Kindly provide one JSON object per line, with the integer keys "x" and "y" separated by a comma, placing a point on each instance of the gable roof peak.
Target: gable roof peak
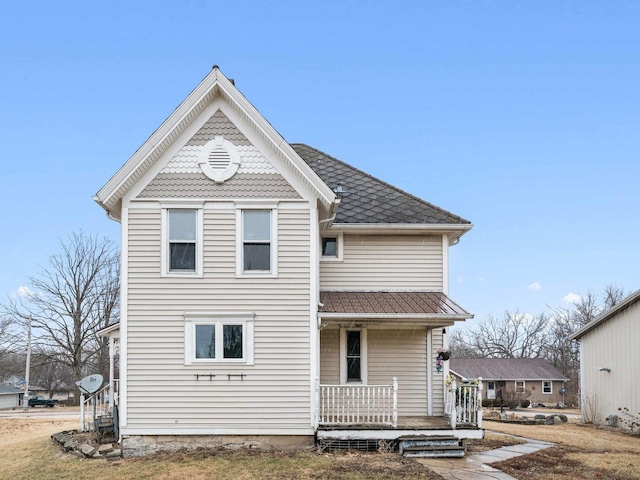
{"x": 214, "y": 85}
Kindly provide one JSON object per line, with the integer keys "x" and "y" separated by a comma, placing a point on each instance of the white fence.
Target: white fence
{"x": 463, "y": 403}
{"x": 359, "y": 404}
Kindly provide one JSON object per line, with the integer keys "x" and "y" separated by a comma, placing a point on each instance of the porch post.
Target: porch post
{"x": 395, "y": 402}
{"x": 480, "y": 387}
{"x": 454, "y": 412}
{"x": 111, "y": 372}
{"x": 82, "y": 412}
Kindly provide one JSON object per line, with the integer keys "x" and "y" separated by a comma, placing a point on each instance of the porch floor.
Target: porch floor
{"x": 404, "y": 423}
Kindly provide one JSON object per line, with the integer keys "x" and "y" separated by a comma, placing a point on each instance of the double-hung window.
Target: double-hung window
{"x": 182, "y": 241}
{"x": 547, "y": 387}
{"x": 257, "y": 241}
{"x": 217, "y": 338}
{"x": 520, "y": 386}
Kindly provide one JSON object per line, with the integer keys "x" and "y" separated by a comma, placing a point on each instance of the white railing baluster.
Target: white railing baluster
{"x": 358, "y": 404}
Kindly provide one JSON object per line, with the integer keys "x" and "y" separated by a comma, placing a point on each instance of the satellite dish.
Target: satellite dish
{"x": 563, "y": 391}
{"x": 90, "y": 384}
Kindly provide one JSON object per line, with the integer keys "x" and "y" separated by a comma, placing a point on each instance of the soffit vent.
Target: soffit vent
{"x": 219, "y": 159}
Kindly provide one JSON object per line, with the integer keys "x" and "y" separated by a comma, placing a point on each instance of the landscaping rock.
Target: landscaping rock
{"x": 87, "y": 450}
{"x": 70, "y": 445}
{"x": 104, "y": 449}
{"x": 114, "y": 454}
{"x": 540, "y": 417}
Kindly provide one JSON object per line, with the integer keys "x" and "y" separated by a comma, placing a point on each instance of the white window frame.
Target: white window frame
{"x": 273, "y": 272}
{"x": 524, "y": 386}
{"x": 218, "y": 320}
{"x": 363, "y": 356}
{"x": 339, "y": 246}
{"x": 550, "y": 383}
{"x": 164, "y": 247}
{"x": 491, "y": 392}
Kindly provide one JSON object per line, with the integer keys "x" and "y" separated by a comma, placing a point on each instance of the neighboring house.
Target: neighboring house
{"x": 271, "y": 292}
{"x": 63, "y": 394}
{"x": 541, "y": 380}
{"x": 9, "y": 397}
{"x": 609, "y": 359}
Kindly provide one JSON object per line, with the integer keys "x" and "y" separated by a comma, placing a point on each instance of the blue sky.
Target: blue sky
{"x": 522, "y": 117}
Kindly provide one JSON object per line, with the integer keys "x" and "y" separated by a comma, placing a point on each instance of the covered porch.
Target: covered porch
{"x": 380, "y": 377}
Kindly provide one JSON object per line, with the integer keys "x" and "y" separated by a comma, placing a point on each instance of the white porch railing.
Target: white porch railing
{"x": 463, "y": 403}
{"x": 100, "y": 404}
{"x": 359, "y": 404}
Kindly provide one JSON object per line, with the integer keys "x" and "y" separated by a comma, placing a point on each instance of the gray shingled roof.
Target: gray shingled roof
{"x": 428, "y": 303}
{"x": 505, "y": 368}
{"x": 9, "y": 390}
{"x": 367, "y": 199}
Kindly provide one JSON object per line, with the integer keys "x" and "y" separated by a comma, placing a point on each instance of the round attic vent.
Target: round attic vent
{"x": 219, "y": 159}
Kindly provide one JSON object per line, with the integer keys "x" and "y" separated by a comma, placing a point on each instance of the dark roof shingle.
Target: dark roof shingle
{"x": 366, "y": 199}
{"x": 505, "y": 368}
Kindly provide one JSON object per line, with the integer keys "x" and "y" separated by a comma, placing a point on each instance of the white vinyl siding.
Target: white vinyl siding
{"x": 330, "y": 356}
{"x": 274, "y": 392}
{"x": 402, "y": 354}
{"x": 437, "y": 341}
{"x": 614, "y": 345}
{"x": 385, "y": 262}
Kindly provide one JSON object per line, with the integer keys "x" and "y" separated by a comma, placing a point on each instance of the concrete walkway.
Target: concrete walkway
{"x": 475, "y": 467}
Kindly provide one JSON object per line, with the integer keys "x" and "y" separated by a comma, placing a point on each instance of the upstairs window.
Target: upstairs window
{"x": 182, "y": 239}
{"x": 256, "y": 241}
{"x": 330, "y": 247}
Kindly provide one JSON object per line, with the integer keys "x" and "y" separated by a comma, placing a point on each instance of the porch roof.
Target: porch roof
{"x": 419, "y": 306}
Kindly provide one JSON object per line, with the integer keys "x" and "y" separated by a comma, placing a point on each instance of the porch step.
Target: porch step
{"x": 431, "y": 446}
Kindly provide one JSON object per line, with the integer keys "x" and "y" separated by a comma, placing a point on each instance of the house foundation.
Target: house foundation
{"x": 140, "y": 445}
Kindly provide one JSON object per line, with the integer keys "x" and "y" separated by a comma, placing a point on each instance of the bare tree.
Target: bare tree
{"x": 612, "y": 296}
{"x": 51, "y": 375}
{"x": 513, "y": 335}
{"x": 460, "y": 346}
{"x": 9, "y": 358}
{"x": 562, "y": 352}
{"x": 76, "y": 295}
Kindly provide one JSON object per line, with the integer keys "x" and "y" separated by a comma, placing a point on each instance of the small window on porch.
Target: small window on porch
{"x": 354, "y": 370}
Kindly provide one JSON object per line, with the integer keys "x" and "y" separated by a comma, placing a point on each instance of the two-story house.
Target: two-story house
{"x": 272, "y": 293}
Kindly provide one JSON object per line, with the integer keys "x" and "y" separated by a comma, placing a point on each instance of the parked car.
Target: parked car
{"x": 41, "y": 401}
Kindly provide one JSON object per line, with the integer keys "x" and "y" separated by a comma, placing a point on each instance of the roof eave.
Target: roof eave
{"x": 104, "y": 332}
{"x": 456, "y": 230}
{"x": 393, "y": 319}
{"x": 630, "y": 300}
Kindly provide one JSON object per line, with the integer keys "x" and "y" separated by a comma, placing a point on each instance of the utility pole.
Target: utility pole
{"x": 25, "y": 398}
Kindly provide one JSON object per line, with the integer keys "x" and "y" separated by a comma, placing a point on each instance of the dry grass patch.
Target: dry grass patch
{"x": 28, "y": 452}
{"x": 581, "y": 452}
